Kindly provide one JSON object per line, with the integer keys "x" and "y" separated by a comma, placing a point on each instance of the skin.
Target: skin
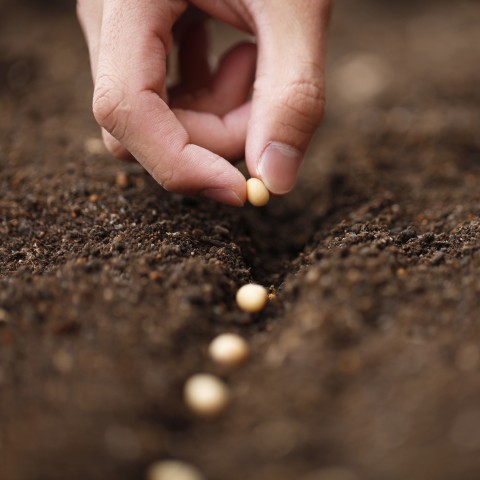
{"x": 188, "y": 137}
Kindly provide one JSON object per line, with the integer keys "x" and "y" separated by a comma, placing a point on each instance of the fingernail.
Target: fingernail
{"x": 224, "y": 196}
{"x": 278, "y": 167}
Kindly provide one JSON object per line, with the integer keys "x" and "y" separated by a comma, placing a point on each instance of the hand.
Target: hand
{"x": 184, "y": 137}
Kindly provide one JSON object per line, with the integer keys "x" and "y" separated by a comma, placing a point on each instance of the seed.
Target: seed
{"x": 252, "y": 298}
{"x": 257, "y": 193}
{"x": 206, "y": 395}
{"x": 173, "y": 470}
{"x": 94, "y": 146}
{"x": 228, "y": 349}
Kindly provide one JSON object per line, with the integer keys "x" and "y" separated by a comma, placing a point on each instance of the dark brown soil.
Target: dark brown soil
{"x": 367, "y": 360}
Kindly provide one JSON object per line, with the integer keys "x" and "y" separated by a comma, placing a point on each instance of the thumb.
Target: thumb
{"x": 288, "y": 100}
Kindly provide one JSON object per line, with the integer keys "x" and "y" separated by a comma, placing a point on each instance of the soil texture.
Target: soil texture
{"x": 366, "y": 363}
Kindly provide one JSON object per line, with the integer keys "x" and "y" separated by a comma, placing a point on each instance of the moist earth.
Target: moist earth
{"x": 366, "y": 362}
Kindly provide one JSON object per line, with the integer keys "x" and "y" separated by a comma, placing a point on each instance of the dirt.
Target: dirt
{"x": 365, "y": 365}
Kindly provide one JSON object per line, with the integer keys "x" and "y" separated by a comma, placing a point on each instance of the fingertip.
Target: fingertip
{"x": 228, "y": 197}
{"x": 197, "y": 171}
{"x": 230, "y": 187}
{"x": 278, "y": 167}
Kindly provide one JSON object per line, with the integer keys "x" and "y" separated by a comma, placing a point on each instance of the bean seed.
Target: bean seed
{"x": 206, "y": 395}
{"x": 252, "y": 298}
{"x": 257, "y": 193}
{"x": 173, "y": 470}
{"x": 229, "y": 349}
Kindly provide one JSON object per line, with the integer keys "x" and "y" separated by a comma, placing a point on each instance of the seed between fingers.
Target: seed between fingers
{"x": 257, "y": 192}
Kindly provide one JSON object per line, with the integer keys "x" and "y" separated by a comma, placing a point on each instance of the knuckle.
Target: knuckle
{"x": 305, "y": 100}
{"x": 110, "y": 107}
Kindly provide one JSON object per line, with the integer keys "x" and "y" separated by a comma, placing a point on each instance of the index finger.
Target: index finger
{"x": 129, "y": 102}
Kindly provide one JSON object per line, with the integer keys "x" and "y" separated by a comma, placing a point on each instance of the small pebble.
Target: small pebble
{"x": 121, "y": 180}
{"x": 154, "y": 276}
{"x": 206, "y": 395}
{"x": 229, "y": 349}
{"x": 252, "y": 298}
{"x": 173, "y": 470}
{"x": 257, "y": 192}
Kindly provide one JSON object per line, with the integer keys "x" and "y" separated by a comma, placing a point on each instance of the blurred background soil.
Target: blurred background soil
{"x": 366, "y": 365}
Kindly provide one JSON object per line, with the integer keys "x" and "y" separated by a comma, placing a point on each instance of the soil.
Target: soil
{"x": 366, "y": 363}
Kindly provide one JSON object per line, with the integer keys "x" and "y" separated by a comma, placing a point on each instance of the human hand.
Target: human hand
{"x": 185, "y": 136}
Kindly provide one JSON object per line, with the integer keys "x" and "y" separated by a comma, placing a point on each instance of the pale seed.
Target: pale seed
{"x": 228, "y": 349}
{"x": 206, "y": 395}
{"x": 252, "y": 298}
{"x": 257, "y": 193}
